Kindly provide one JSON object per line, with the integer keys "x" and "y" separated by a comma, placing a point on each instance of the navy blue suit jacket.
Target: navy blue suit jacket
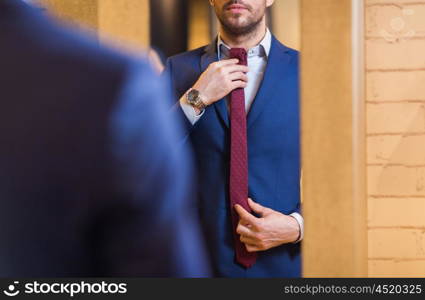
{"x": 273, "y": 156}
{"x": 91, "y": 182}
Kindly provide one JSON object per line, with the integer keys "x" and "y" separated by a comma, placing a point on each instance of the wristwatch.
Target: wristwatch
{"x": 194, "y": 98}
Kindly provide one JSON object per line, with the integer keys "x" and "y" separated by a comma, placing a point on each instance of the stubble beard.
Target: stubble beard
{"x": 238, "y": 30}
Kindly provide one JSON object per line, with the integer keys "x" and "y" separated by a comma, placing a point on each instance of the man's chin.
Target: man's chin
{"x": 236, "y": 24}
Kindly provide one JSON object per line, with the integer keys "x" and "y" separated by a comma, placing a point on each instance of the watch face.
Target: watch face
{"x": 192, "y": 96}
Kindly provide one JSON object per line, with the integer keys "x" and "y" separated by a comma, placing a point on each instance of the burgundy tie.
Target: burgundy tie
{"x": 239, "y": 162}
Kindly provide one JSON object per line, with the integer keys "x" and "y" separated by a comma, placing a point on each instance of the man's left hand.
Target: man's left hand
{"x": 270, "y": 230}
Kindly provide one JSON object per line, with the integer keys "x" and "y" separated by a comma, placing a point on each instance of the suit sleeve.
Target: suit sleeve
{"x": 153, "y": 229}
{"x": 176, "y": 110}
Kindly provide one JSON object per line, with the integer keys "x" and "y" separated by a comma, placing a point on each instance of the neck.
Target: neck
{"x": 246, "y": 41}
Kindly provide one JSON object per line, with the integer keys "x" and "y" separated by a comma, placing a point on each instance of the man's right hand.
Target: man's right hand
{"x": 220, "y": 78}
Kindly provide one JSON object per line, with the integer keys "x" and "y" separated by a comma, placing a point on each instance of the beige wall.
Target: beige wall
{"x": 287, "y": 22}
{"x": 199, "y": 27}
{"x": 126, "y": 22}
{"x": 81, "y": 13}
{"x": 395, "y": 44}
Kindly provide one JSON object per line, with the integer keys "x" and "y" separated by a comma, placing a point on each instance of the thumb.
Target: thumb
{"x": 257, "y": 208}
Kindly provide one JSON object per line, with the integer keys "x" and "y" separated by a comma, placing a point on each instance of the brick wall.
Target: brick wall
{"x": 395, "y": 62}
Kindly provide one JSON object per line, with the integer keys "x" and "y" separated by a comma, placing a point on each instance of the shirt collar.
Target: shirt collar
{"x": 262, "y": 49}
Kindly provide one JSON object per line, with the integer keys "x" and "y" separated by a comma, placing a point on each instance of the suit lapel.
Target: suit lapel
{"x": 208, "y": 58}
{"x": 276, "y": 67}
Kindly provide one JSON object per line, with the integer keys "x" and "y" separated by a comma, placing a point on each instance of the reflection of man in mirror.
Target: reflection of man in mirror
{"x": 239, "y": 98}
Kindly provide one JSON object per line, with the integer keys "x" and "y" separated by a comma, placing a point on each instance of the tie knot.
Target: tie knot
{"x": 239, "y": 53}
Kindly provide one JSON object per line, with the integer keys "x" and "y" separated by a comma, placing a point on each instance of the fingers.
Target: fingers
{"x": 227, "y": 62}
{"x": 229, "y": 66}
{"x": 247, "y": 237}
{"x": 245, "y": 216}
{"x": 220, "y": 79}
{"x": 238, "y": 84}
{"x": 238, "y": 76}
{"x": 252, "y": 248}
{"x": 236, "y": 68}
{"x": 244, "y": 230}
{"x": 257, "y": 208}
{"x": 248, "y": 241}
{"x": 245, "y": 223}
{"x": 253, "y": 245}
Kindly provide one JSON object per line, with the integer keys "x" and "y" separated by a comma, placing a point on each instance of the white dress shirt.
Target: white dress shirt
{"x": 257, "y": 63}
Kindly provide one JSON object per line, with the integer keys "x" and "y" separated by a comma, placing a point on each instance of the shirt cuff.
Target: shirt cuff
{"x": 189, "y": 111}
{"x": 300, "y": 221}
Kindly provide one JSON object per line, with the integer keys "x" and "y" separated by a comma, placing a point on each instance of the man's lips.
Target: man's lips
{"x": 236, "y": 7}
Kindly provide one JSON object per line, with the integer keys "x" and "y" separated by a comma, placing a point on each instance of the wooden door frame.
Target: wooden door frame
{"x": 333, "y": 138}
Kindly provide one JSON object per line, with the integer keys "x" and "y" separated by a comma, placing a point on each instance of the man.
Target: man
{"x": 243, "y": 124}
{"x": 85, "y": 154}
